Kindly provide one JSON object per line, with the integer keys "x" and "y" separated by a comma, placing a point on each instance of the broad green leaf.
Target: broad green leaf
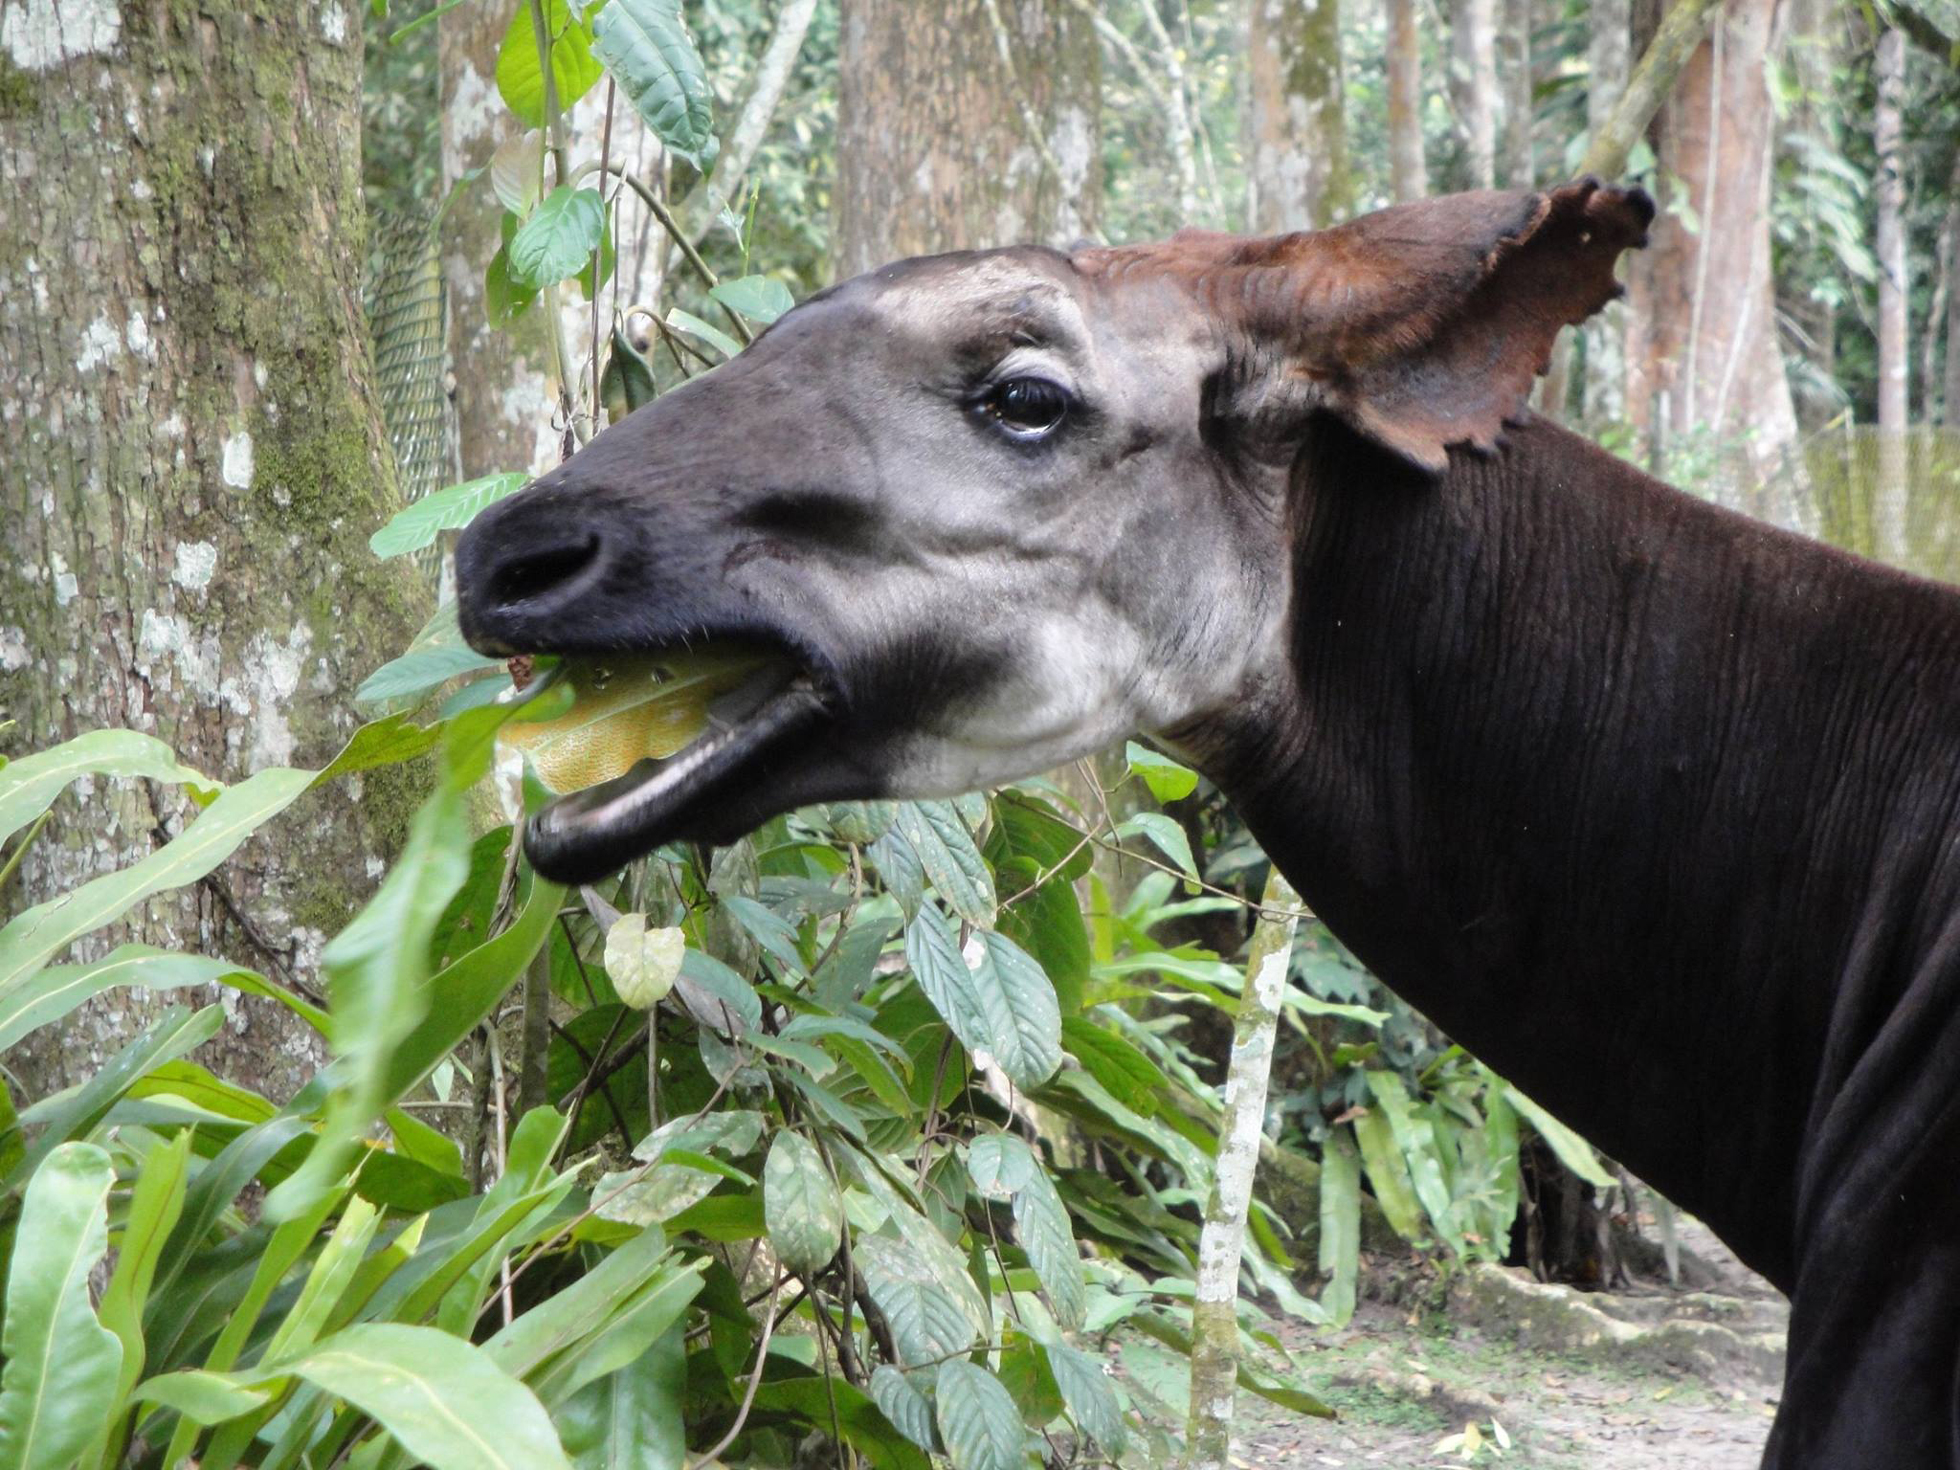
{"x": 946, "y": 850}
{"x": 647, "y": 49}
{"x": 467, "y": 989}
{"x": 377, "y": 968}
{"x": 648, "y": 1196}
{"x": 420, "y": 670}
{"x": 52, "y": 993}
{"x": 927, "y": 1323}
{"x": 70, "y": 1115}
{"x": 811, "y": 1401}
{"x": 44, "y": 931}
{"x": 569, "y": 1319}
{"x": 1166, "y": 836}
{"x": 58, "y": 1387}
{"x": 443, "y": 1399}
{"x": 29, "y": 785}
{"x": 520, "y": 81}
{"x": 154, "y": 1206}
{"x": 716, "y": 996}
{"x": 801, "y": 1203}
{"x": 1087, "y": 1391}
{"x": 1043, "y": 1227}
{"x": 1022, "y": 1014}
{"x": 1572, "y": 1150}
{"x": 715, "y": 337}
{"x": 449, "y": 509}
{"x": 1388, "y": 1175}
{"x": 203, "y": 1398}
{"x": 762, "y": 298}
{"x": 1417, "y": 1140}
{"x": 630, "y": 1419}
{"x": 1000, "y": 1165}
{"x": 1116, "y": 1063}
{"x": 1340, "y": 1226}
{"x": 903, "y": 1404}
{"x": 388, "y": 741}
{"x": 644, "y": 1317}
{"x": 558, "y": 238}
{"x": 978, "y": 1420}
{"x": 1167, "y": 780}
{"x": 628, "y": 381}
{"x": 1047, "y": 923}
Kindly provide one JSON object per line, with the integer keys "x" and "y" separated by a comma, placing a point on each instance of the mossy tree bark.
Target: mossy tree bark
{"x": 941, "y": 145}
{"x": 1296, "y": 127}
{"x": 1407, "y": 166}
{"x": 1214, "y": 1320}
{"x": 1473, "y": 90}
{"x": 192, "y": 461}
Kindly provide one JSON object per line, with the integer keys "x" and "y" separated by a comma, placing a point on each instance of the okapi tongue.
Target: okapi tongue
{"x": 582, "y": 837}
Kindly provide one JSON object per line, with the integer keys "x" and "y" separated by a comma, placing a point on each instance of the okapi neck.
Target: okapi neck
{"x": 1566, "y": 759}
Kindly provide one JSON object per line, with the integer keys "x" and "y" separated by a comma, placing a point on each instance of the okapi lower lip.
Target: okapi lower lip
{"x": 582, "y": 837}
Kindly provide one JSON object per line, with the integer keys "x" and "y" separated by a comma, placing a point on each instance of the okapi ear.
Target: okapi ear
{"x": 1424, "y": 324}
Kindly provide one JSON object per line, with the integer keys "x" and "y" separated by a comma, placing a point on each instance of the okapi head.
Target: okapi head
{"x": 997, "y": 509}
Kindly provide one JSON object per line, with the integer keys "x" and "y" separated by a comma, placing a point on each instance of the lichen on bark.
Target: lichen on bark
{"x": 193, "y": 459}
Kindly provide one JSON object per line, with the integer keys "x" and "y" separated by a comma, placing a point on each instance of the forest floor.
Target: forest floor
{"x": 1647, "y": 1378}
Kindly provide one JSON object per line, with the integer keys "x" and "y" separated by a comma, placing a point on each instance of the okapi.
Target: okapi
{"x": 1655, "y": 808}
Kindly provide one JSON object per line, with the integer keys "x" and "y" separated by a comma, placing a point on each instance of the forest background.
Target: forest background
{"x": 320, "y": 1109}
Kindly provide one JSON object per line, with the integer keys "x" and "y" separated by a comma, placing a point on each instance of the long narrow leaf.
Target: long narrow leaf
{"x": 28, "y": 786}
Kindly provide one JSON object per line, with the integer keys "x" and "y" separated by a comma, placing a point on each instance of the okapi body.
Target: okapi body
{"x": 1655, "y": 808}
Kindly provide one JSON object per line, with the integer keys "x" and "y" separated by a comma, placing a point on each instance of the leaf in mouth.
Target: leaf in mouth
{"x": 626, "y": 709}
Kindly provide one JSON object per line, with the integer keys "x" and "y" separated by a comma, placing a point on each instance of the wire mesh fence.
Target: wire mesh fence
{"x": 407, "y": 322}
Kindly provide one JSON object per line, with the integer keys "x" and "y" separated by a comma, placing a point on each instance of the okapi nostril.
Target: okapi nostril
{"x": 530, "y": 574}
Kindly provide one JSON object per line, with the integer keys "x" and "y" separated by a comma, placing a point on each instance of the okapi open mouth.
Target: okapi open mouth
{"x": 717, "y": 720}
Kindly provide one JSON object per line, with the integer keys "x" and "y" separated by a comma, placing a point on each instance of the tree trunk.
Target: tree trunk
{"x": 505, "y": 392}
{"x": 1296, "y": 145}
{"x": 1407, "y": 170}
{"x": 1889, "y": 245}
{"x": 193, "y": 462}
{"x": 1609, "y": 54}
{"x": 1214, "y": 1320}
{"x": 1706, "y": 362}
{"x": 939, "y": 147}
{"x": 1473, "y": 90}
{"x": 1519, "y": 169}
{"x": 1950, "y": 397}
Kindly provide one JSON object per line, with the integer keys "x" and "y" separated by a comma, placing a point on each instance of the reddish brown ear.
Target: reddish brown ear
{"x": 1424, "y": 324}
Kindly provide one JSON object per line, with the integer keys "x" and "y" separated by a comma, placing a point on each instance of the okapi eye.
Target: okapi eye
{"x": 1027, "y": 408}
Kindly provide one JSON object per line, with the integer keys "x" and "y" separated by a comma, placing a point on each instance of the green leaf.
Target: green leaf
{"x": 1417, "y": 1141}
{"x": 1043, "y": 1228}
{"x": 1087, "y": 1391}
{"x": 628, "y": 381}
{"x": 377, "y": 968}
{"x": 520, "y": 82}
{"x": 1023, "y": 1017}
{"x": 903, "y": 1405}
{"x": 558, "y": 238}
{"x": 420, "y": 670}
{"x": 811, "y": 1400}
{"x": 1131, "y": 1077}
{"x": 762, "y": 298}
{"x": 946, "y": 850}
{"x": 647, "y": 49}
{"x": 630, "y": 1419}
{"x": 1167, "y": 780}
{"x": 801, "y": 1204}
{"x": 926, "y": 1322}
{"x": 390, "y": 740}
{"x": 52, "y": 993}
{"x": 71, "y": 1114}
{"x": 201, "y": 1397}
{"x": 154, "y": 1206}
{"x": 715, "y": 337}
{"x": 1572, "y": 1150}
{"x": 517, "y": 171}
{"x": 978, "y": 1420}
{"x": 441, "y": 1398}
{"x": 28, "y": 786}
{"x": 1166, "y": 836}
{"x": 1388, "y": 1175}
{"x": 58, "y": 1387}
{"x": 42, "y": 932}
{"x": 1340, "y": 1226}
{"x": 449, "y": 509}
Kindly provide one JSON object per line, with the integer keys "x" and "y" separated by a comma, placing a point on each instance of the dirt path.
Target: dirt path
{"x": 1510, "y": 1373}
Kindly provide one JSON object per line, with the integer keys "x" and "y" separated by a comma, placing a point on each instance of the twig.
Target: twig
{"x": 503, "y": 1154}
{"x": 755, "y": 1382}
{"x": 673, "y": 227}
